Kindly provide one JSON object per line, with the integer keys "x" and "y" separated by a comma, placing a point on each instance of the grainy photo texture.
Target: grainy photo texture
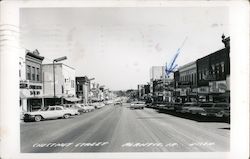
{"x": 153, "y": 79}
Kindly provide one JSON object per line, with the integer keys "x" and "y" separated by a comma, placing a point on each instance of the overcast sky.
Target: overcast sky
{"x": 118, "y": 46}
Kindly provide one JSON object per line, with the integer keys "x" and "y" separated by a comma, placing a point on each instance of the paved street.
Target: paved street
{"x": 120, "y": 129}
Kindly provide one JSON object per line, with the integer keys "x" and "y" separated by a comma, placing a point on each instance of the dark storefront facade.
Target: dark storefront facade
{"x": 213, "y": 76}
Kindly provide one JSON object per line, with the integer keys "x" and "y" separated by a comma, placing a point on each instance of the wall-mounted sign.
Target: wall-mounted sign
{"x": 218, "y": 86}
{"x": 204, "y": 90}
{"x": 183, "y": 92}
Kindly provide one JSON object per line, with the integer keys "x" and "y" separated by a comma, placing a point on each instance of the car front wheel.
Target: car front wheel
{"x": 38, "y": 118}
{"x": 66, "y": 116}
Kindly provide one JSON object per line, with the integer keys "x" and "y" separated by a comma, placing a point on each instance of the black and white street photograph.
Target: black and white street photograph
{"x": 124, "y": 80}
{"x": 135, "y": 79}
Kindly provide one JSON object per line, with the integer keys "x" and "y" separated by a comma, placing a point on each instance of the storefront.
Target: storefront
{"x": 30, "y": 96}
{"x": 219, "y": 91}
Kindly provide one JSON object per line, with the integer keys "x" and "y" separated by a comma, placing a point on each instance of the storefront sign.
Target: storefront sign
{"x": 218, "y": 86}
{"x": 183, "y": 92}
{"x": 204, "y": 90}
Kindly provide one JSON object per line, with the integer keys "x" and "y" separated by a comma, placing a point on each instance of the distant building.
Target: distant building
{"x": 30, "y": 75}
{"x": 186, "y": 82}
{"x": 64, "y": 84}
{"x": 83, "y": 88}
{"x": 157, "y": 72}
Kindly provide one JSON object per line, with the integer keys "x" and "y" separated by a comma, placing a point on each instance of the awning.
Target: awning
{"x": 72, "y": 99}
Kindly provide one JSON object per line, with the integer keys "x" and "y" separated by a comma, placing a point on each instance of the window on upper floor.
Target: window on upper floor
{"x": 72, "y": 83}
{"x": 37, "y": 74}
{"x": 28, "y": 72}
{"x": 33, "y": 74}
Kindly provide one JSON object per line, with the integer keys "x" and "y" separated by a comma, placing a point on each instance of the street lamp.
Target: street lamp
{"x": 56, "y": 60}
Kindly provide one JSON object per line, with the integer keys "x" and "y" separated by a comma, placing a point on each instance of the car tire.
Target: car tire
{"x": 66, "y": 116}
{"x": 38, "y": 118}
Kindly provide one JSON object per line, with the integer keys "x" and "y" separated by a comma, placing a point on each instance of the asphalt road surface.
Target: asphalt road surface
{"x": 120, "y": 129}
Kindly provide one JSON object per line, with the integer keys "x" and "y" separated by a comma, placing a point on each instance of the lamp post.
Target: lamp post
{"x": 56, "y": 60}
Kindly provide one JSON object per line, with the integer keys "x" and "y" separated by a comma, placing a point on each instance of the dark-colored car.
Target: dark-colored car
{"x": 191, "y": 107}
{"x": 213, "y": 109}
{"x": 118, "y": 103}
{"x": 177, "y": 106}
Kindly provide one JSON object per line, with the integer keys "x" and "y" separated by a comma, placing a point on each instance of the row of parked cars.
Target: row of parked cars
{"x": 61, "y": 111}
{"x": 204, "y": 109}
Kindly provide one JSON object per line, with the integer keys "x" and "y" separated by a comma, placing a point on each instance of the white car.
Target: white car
{"x": 98, "y": 105}
{"x": 50, "y": 112}
{"x": 137, "y": 105}
{"x": 87, "y": 108}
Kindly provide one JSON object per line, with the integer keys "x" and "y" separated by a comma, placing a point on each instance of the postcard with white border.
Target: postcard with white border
{"x": 124, "y": 79}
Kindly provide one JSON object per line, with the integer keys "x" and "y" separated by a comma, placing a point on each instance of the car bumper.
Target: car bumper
{"x": 136, "y": 107}
{"x": 28, "y": 117}
{"x": 208, "y": 114}
{"x": 184, "y": 111}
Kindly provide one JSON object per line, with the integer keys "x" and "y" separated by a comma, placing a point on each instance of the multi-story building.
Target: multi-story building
{"x": 157, "y": 72}
{"x": 186, "y": 82}
{"x": 30, "y": 75}
{"x": 83, "y": 88}
{"x": 160, "y": 86}
{"x": 213, "y": 75}
{"x": 206, "y": 79}
{"x": 64, "y": 84}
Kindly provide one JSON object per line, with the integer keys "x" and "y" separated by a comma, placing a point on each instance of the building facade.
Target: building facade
{"x": 31, "y": 84}
{"x": 186, "y": 82}
{"x": 213, "y": 75}
{"x": 83, "y": 88}
{"x": 64, "y": 84}
{"x": 157, "y": 72}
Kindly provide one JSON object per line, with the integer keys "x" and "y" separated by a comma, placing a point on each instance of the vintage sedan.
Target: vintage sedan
{"x": 215, "y": 109}
{"x": 50, "y": 112}
{"x": 223, "y": 113}
{"x": 137, "y": 105}
{"x": 87, "y": 108}
{"x": 191, "y": 107}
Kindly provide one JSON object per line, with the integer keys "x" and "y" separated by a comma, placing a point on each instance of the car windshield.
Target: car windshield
{"x": 139, "y": 102}
{"x": 44, "y": 109}
{"x": 207, "y": 105}
{"x": 191, "y": 105}
{"x": 221, "y": 105}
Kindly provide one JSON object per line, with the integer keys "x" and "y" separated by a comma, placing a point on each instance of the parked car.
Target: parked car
{"x": 168, "y": 106}
{"x": 223, "y": 113}
{"x": 87, "y": 108}
{"x": 108, "y": 102}
{"x": 118, "y": 103}
{"x": 74, "y": 107}
{"x": 137, "y": 105}
{"x": 97, "y": 105}
{"x": 178, "y": 106}
{"x": 213, "y": 109}
{"x": 49, "y": 112}
{"x": 191, "y": 107}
